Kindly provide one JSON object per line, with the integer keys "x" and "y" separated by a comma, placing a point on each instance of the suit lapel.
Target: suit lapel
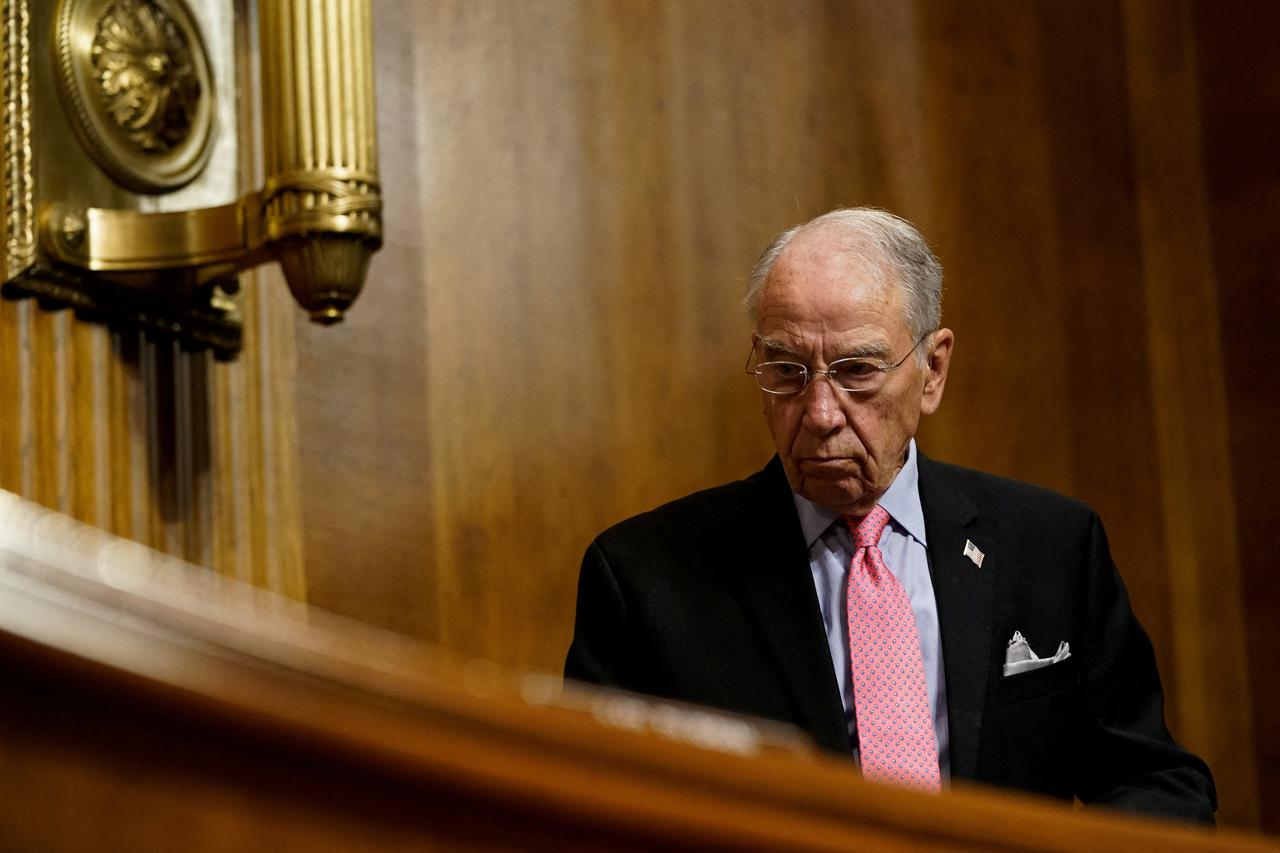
{"x": 777, "y": 594}
{"x": 965, "y": 597}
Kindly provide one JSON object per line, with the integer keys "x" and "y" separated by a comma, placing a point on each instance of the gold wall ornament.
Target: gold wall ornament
{"x": 19, "y": 200}
{"x": 136, "y": 79}
{"x": 322, "y": 207}
{"x": 134, "y": 82}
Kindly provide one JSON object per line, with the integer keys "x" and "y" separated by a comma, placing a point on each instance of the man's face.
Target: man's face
{"x": 842, "y": 450}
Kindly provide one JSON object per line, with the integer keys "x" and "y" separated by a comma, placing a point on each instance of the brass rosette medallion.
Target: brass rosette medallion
{"x": 136, "y": 80}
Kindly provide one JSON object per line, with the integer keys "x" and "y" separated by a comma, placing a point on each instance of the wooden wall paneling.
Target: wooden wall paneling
{"x": 687, "y": 172}
{"x": 547, "y": 342}
{"x": 634, "y": 247}
{"x": 734, "y": 176}
{"x": 248, "y": 438}
{"x": 878, "y": 47}
{"x": 1193, "y": 451}
{"x": 993, "y": 226}
{"x": 248, "y": 474}
{"x": 200, "y": 458}
{"x": 188, "y": 528}
{"x": 279, "y": 515}
{"x": 135, "y": 435}
{"x": 575, "y": 186}
{"x": 865, "y": 93}
{"x": 186, "y": 516}
{"x": 641, "y": 376}
{"x": 157, "y": 375}
{"x": 120, "y": 441}
{"x": 89, "y": 411}
{"x": 43, "y": 457}
{"x": 231, "y": 495}
{"x": 11, "y": 395}
{"x": 140, "y": 454}
{"x": 512, "y": 365}
{"x": 643, "y": 155}
{"x": 249, "y": 496}
{"x": 1237, "y": 76}
{"x": 77, "y": 381}
{"x": 363, "y": 428}
{"x": 60, "y": 355}
{"x": 1103, "y": 313}
{"x": 231, "y": 541}
{"x": 16, "y": 426}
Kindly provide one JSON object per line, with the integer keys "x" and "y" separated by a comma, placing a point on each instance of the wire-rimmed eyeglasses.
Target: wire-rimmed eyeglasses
{"x": 856, "y": 375}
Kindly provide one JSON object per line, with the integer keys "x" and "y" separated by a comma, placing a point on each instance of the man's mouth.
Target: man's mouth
{"x": 828, "y": 465}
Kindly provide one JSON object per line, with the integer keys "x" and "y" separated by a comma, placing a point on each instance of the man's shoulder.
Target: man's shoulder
{"x": 695, "y": 514}
{"x": 994, "y": 493}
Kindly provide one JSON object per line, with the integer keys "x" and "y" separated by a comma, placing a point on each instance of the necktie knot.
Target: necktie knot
{"x": 866, "y": 530}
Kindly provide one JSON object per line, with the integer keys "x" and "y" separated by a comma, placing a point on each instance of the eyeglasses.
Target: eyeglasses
{"x": 856, "y": 375}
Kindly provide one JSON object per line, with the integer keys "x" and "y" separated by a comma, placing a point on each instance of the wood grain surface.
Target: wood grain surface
{"x": 550, "y": 339}
{"x": 1240, "y": 138}
{"x": 164, "y": 446}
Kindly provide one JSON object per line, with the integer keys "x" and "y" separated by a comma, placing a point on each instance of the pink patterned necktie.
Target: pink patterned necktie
{"x": 895, "y": 729}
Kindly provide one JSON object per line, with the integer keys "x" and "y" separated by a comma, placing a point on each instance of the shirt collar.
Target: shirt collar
{"x": 901, "y": 501}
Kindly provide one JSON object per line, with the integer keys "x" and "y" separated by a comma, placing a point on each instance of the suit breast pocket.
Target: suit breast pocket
{"x": 1045, "y": 681}
{"x": 1032, "y": 730}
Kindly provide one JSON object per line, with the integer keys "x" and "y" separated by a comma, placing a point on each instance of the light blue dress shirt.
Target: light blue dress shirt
{"x": 903, "y": 545}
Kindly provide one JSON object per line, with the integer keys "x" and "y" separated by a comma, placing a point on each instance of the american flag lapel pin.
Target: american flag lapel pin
{"x": 971, "y": 551}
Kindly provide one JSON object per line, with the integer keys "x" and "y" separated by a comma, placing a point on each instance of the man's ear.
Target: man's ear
{"x": 935, "y": 370}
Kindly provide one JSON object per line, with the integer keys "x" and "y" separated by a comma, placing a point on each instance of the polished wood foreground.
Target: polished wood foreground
{"x": 152, "y": 705}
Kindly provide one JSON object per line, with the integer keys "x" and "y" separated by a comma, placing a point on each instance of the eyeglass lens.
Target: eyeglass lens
{"x": 851, "y": 374}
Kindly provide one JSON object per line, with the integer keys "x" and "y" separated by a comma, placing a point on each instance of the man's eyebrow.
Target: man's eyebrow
{"x": 871, "y": 349}
{"x": 876, "y": 349}
{"x": 775, "y": 347}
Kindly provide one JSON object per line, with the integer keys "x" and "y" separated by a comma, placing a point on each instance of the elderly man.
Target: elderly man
{"x": 934, "y": 622}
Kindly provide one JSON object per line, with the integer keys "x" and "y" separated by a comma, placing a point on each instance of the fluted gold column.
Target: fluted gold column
{"x": 320, "y": 148}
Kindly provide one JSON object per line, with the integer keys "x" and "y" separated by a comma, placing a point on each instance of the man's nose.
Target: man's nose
{"x": 822, "y": 412}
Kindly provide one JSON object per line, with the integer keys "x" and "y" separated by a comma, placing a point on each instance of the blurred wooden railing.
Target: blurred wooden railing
{"x": 153, "y": 705}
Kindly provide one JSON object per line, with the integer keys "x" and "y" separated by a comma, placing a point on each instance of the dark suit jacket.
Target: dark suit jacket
{"x": 709, "y": 599}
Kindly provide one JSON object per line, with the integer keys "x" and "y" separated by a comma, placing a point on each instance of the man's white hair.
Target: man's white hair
{"x": 890, "y": 245}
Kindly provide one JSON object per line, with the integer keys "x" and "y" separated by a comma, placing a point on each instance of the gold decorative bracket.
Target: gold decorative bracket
{"x": 136, "y": 86}
{"x": 214, "y": 241}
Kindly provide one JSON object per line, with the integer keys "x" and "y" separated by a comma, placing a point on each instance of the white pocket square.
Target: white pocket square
{"x": 1019, "y": 657}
